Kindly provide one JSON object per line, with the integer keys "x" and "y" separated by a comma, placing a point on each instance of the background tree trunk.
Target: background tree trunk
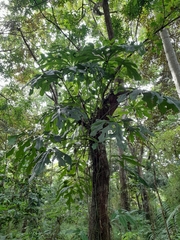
{"x": 124, "y": 196}
{"x": 99, "y": 225}
{"x": 171, "y": 58}
{"x": 144, "y": 193}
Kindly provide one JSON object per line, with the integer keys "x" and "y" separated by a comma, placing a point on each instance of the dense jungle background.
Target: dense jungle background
{"x": 89, "y": 120}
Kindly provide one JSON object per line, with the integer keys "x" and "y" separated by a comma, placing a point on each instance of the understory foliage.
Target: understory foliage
{"x": 89, "y": 143}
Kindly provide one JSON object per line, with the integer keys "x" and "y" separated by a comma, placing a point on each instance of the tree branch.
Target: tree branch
{"x": 4, "y": 96}
{"x": 107, "y": 18}
{"x": 27, "y": 45}
{"x": 52, "y": 86}
{"x": 163, "y": 26}
{"x": 56, "y": 25}
{"x": 109, "y": 105}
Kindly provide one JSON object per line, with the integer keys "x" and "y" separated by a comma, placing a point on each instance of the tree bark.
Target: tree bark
{"x": 138, "y": 151}
{"x": 99, "y": 225}
{"x": 124, "y": 196}
{"x": 171, "y": 58}
{"x": 144, "y": 193}
{"x": 145, "y": 203}
{"x": 107, "y": 19}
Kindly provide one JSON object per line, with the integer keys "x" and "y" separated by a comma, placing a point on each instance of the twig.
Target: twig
{"x": 67, "y": 90}
{"x": 4, "y": 96}
{"x": 27, "y": 45}
{"x": 52, "y": 86}
{"x": 57, "y": 25}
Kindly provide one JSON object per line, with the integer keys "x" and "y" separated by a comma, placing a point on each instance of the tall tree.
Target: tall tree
{"x": 171, "y": 58}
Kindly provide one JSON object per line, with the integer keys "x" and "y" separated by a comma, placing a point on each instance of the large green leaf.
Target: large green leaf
{"x": 61, "y": 157}
{"x": 123, "y": 218}
{"x": 106, "y": 129}
{"x": 10, "y": 152}
{"x": 164, "y": 103}
{"x": 39, "y": 142}
{"x": 12, "y": 139}
{"x": 97, "y": 126}
{"x": 43, "y": 81}
{"x": 130, "y": 159}
{"x": 155, "y": 99}
{"x": 134, "y": 94}
{"x": 132, "y": 70}
{"x": 41, "y": 162}
{"x": 136, "y": 176}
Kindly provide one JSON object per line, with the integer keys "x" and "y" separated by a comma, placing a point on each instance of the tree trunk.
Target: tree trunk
{"x": 99, "y": 225}
{"x": 145, "y": 203}
{"x": 161, "y": 205}
{"x": 124, "y": 197}
{"x": 144, "y": 193}
{"x": 171, "y": 58}
{"x": 138, "y": 151}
